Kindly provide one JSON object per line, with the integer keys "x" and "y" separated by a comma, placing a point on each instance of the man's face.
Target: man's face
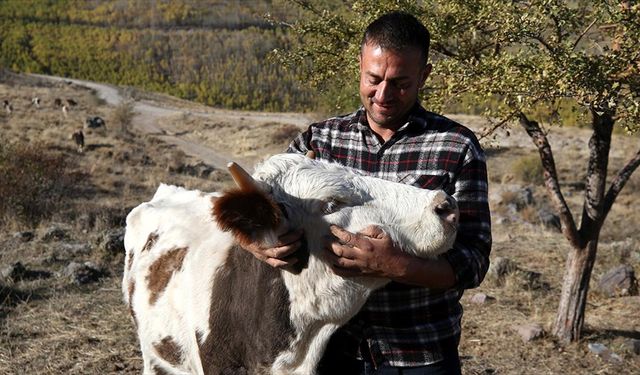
{"x": 389, "y": 84}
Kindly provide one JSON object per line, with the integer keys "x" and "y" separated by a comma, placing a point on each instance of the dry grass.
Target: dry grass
{"x": 50, "y": 326}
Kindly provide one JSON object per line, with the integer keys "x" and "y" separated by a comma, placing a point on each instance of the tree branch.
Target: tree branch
{"x": 551, "y": 179}
{"x": 575, "y": 44}
{"x": 599, "y": 146}
{"x": 619, "y": 181}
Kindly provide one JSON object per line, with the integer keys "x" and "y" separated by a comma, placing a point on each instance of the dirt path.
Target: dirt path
{"x": 150, "y": 113}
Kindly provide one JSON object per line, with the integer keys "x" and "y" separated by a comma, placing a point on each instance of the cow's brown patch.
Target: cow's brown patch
{"x": 169, "y": 350}
{"x": 157, "y": 370}
{"x": 130, "y": 261}
{"x": 247, "y": 214}
{"x": 131, "y": 288}
{"x": 249, "y": 318}
{"x": 151, "y": 241}
{"x": 161, "y": 271}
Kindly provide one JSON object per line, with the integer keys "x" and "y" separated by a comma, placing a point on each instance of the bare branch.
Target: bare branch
{"x": 619, "y": 181}
{"x": 575, "y": 44}
{"x": 551, "y": 179}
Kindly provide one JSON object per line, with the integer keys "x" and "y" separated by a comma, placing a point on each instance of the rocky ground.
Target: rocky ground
{"x": 61, "y": 310}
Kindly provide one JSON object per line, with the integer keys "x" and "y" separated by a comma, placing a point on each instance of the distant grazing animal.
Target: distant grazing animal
{"x": 57, "y": 102}
{"x": 35, "y": 101}
{"x": 78, "y": 139}
{"x": 65, "y": 110}
{"x": 7, "y": 106}
{"x": 71, "y": 102}
{"x": 94, "y": 122}
{"x": 203, "y": 305}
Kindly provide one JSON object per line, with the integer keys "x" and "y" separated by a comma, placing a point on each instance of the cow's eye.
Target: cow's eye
{"x": 331, "y": 206}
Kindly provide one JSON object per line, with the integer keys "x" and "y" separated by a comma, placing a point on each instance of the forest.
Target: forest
{"x": 214, "y": 52}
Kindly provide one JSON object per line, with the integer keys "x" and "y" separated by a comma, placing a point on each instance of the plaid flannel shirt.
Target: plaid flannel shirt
{"x": 403, "y": 325}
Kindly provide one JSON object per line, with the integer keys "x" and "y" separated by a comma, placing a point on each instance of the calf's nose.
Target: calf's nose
{"x": 446, "y": 207}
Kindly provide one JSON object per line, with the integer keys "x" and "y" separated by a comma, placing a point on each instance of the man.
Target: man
{"x": 413, "y": 324}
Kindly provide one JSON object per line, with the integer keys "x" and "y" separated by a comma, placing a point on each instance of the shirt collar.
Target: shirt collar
{"x": 417, "y": 118}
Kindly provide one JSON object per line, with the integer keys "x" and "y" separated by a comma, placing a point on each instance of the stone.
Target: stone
{"x": 549, "y": 219}
{"x": 481, "y": 299}
{"x": 83, "y": 273}
{"x": 529, "y": 331}
{"x": 618, "y": 281}
{"x": 75, "y": 249}
{"x": 54, "y": 233}
{"x": 501, "y": 267}
{"x": 24, "y": 236}
{"x": 112, "y": 241}
{"x": 605, "y": 353}
{"x": 632, "y": 345}
{"x": 15, "y": 271}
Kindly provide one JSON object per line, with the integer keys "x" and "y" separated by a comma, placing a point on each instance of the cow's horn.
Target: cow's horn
{"x": 241, "y": 177}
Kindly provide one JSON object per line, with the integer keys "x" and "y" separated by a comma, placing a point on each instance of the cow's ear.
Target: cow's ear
{"x": 249, "y": 215}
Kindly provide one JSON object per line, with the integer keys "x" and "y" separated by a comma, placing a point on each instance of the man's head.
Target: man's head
{"x": 393, "y": 68}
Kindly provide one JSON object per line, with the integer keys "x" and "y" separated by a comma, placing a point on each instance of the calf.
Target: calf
{"x": 203, "y": 305}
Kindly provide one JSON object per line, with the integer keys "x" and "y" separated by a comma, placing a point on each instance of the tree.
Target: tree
{"x": 527, "y": 59}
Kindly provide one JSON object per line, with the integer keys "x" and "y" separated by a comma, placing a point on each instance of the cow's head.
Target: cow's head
{"x": 297, "y": 192}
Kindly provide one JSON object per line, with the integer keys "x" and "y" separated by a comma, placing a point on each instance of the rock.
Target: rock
{"x": 514, "y": 195}
{"x": 481, "y": 299}
{"x": 24, "y": 236}
{"x": 199, "y": 169}
{"x": 632, "y": 345}
{"x": 605, "y": 353}
{"x": 54, "y": 233}
{"x": 112, "y": 241}
{"x": 75, "y": 249}
{"x": 83, "y": 273}
{"x": 549, "y": 219}
{"x": 501, "y": 267}
{"x": 529, "y": 331}
{"x": 619, "y": 281}
{"x": 15, "y": 271}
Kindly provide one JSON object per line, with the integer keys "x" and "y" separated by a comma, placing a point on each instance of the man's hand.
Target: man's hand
{"x": 283, "y": 254}
{"x": 370, "y": 252}
{"x": 373, "y": 253}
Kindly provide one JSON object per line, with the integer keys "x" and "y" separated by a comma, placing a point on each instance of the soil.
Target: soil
{"x": 52, "y": 324}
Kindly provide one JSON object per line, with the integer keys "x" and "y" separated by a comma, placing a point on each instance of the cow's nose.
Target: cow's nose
{"x": 447, "y": 208}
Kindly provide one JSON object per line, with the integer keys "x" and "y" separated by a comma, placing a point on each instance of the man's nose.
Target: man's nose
{"x": 384, "y": 92}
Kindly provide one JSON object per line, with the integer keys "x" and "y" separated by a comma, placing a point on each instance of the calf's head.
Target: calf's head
{"x": 292, "y": 191}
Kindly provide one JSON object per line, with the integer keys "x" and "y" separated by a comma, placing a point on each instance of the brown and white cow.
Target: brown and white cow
{"x": 202, "y": 305}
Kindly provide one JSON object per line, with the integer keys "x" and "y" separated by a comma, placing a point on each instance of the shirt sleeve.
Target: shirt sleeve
{"x": 469, "y": 256}
{"x": 301, "y": 143}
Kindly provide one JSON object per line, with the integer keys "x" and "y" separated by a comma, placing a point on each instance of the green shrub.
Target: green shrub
{"x": 528, "y": 169}
{"x": 33, "y": 182}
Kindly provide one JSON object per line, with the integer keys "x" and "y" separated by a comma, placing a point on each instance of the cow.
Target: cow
{"x": 78, "y": 139}
{"x": 203, "y": 305}
{"x": 7, "y": 106}
{"x": 35, "y": 101}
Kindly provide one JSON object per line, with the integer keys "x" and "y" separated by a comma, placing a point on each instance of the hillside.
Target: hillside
{"x": 62, "y": 311}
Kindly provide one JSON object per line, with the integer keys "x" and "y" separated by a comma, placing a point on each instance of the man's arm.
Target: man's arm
{"x": 372, "y": 252}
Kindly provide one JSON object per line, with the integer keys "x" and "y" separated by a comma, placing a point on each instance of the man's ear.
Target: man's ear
{"x": 426, "y": 71}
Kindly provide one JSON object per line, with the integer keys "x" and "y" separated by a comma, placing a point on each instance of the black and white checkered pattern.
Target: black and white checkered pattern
{"x": 403, "y": 325}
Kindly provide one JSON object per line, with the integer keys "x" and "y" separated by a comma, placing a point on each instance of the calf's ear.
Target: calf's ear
{"x": 249, "y": 214}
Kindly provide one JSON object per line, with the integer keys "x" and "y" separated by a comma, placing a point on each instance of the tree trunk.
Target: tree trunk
{"x": 575, "y": 286}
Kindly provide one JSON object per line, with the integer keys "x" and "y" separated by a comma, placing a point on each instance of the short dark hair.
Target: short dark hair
{"x": 398, "y": 31}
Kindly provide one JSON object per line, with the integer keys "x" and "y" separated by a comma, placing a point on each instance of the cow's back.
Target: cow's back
{"x": 173, "y": 250}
